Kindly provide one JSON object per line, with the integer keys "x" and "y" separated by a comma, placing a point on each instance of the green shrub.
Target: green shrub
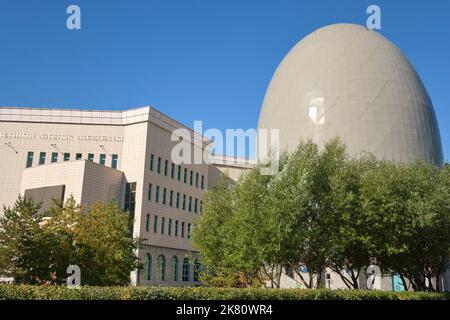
{"x": 27, "y": 292}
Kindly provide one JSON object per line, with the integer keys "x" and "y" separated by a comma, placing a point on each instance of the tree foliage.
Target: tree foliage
{"x": 36, "y": 246}
{"x": 324, "y": 209}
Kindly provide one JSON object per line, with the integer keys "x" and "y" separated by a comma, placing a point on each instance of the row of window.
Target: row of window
{"x": 161, "y": 269}
{"x": 199, "y": 179}
{"x": 190, "y": 204}
{"x": 160, "y": 226}
{"x": 67, "y": 156}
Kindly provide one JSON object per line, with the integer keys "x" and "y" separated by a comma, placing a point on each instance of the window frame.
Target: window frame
{"x": 186, "y": 269}
{"x": 157, "y": 194}
{"x": 159, "y": 165}
{"x": 29, "y": 162}
{"x": 161, "y": 268}
{"x": 114, "y": 161}
{"x": 102, "y": 159}
{"x": 175, "y": 268}
{"x": 155, "y": 224}
{"x": 42, "y": 156}
{"x": 152, "y": 159}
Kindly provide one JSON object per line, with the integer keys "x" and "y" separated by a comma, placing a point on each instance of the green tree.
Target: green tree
{"x": 256, "y": 236}
{"x": 212, "y": 233}
{"x": 22, "y": 242}
{"x": 407, "y": 209}
{"x": 349, "y": 247}
{"x": 36, "y": 247}
{"x": 324, "y": 209}
{"x": 234, "y": 236}
{"x": 105, "y": 252}
{"x": 290, "y": 202}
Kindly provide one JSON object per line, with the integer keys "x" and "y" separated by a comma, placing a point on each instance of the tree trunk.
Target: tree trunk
{"x": 298, "y": 272}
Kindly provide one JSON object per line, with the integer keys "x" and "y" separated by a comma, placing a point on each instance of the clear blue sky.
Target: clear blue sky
{"x": 207, "y": 60}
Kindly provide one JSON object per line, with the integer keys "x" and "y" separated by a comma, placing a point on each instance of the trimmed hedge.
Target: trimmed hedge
{"x": 26, "y": 292}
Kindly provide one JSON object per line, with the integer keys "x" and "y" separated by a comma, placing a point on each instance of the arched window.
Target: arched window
{"x": 148, "y": 267}
{"x": 175, "y": 268}
{"x": 197, "y": 267}
{"x": 161, "y": 272}
{"x": 186, "y": 268}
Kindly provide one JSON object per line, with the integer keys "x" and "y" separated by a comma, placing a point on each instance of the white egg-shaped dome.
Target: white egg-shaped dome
{"x": 349, "y": 82}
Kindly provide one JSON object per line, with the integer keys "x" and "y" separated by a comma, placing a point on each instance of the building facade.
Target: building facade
{"x": 113, "y": 155}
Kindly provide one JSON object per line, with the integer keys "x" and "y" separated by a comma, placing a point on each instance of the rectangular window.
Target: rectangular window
{"x": 157, "y": 193}
{"x": 130, "y": 197}
{"x": 171, "y": 198}
{"x": 190, "y": 204}
{"x": 66, "y": 156}
{"x": 163, "y": 221}
{"x": 203, "y": 182}
{"x": 166, "y": 167}
{"x": 178, "y": 200}
{"x": 184, "y": 202}
{"x": 152, "y": 158}
{"x": 185, "y": 175}
{"x": 54, "y": 157}
{"x": 30, "y": 159}
{"x": 169, "y": 230}
{"x": 155, "y": 224}
{"x": 159, "y": 165}
{"x": 147, "y": 223}
{"x": 191, "y": 178}
{"x": 196, "y": 180}
{"x": 172, "y": 170}
{"x": 42, "y": 158}
{"x": 91, "y": 157}
{"x": 186, "y": 270}
{"x": 182, "y": 229}
{"x": 130, "y": 201}
{"x": 197, "y": 269}
{"x": 176, "y": 228}
{"x": 149, "y": 194}
{"x": 189, "y": 231}
{"x": 164, "y": 196}
{"x": 179, "y": 173}
{"x": 196, "y": 205}
{"x": 102, "y": 159}
{"x": 78, "y": 156}
{"x": 114, "y": 159}
{"x": 201, "y": 206}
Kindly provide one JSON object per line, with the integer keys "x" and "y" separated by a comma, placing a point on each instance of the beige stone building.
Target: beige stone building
{"x": 121, "y": 155}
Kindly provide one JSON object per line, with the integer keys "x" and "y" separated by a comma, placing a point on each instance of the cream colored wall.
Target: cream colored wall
{"x": 101, "y": 183}
{"x": 134, "y": 153}
{"x": 69, "y": 174}
{"x": 140, "y": 141}
{"x": 87, "y": 182}
{"x": 14, "y": 164}
{"x": 231, "y": 172}
{"x": 382, "y": 283}
{"x": 136, "y": 134}
{"x": 159, "y": 144}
